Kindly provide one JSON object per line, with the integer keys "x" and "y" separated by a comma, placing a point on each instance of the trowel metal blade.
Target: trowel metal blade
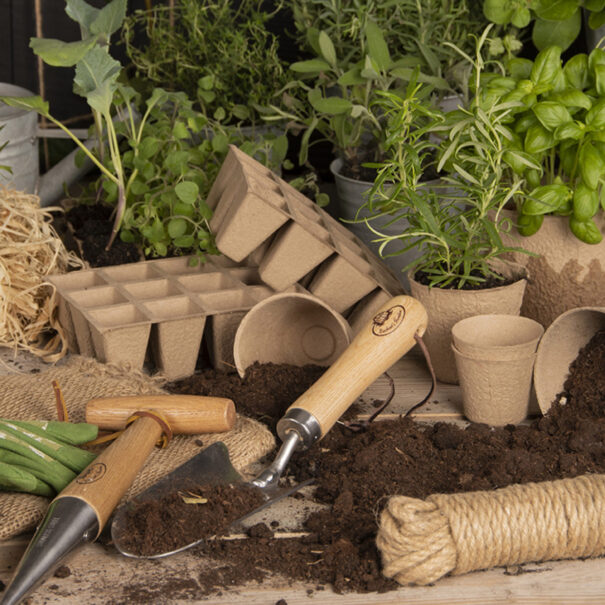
{"x": 212, "y": 466}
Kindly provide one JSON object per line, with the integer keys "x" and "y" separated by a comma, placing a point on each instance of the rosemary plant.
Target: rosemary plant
{"x": 457, "y": 224}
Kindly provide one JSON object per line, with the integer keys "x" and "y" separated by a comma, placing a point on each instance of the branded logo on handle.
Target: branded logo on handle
{"x": 93, "y": 473}
{"x": 387, "y": 321}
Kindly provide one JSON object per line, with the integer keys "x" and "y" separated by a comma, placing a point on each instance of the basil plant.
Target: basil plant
{"x": 557, "y": 136}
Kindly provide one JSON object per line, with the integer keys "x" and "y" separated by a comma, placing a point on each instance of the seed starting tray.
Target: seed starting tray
{"x": 257, "y": 215}
{"x": 273, "y": 239}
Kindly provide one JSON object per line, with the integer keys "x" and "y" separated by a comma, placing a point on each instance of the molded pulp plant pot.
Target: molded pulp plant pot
{"x": 567, "y": 274}
{"x": 290, "y": 328}
{"x": 495, "y": 356}
{"x": 352, "y": 194}
{"x": 560, "y": 346}
{"x": 447, "y": 306}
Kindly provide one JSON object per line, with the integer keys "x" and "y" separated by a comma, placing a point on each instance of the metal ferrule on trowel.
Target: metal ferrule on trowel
{"x": 298, "y": 430}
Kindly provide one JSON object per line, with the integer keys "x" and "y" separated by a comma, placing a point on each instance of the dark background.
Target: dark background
{"x": 18, "y": 64}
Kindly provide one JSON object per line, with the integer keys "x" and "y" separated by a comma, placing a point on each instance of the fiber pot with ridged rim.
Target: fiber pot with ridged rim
{"x": 566, "y": 273}
{"x": 290, "y": 328}
{"x": 447, "y": 306}
{"x": 560, "y": 346}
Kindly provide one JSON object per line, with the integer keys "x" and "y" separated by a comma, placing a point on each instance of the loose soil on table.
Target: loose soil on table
{"x": 355, "y": 473}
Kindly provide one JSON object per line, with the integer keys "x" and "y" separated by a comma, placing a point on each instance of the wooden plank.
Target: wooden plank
{"x": 99, "y": 576}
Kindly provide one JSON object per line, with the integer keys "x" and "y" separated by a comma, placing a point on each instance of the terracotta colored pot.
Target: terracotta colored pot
{"x": 446, "y": 307}
{"x": 567, "y": 274}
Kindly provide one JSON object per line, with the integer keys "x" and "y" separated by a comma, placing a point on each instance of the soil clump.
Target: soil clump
{"x": 356, "y": 472}
{"x": 178, "y": 518}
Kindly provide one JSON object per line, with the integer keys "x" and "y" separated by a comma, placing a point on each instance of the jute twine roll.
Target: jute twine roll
{"x": 422, "y": 540}
{"x": 27, "y": 397}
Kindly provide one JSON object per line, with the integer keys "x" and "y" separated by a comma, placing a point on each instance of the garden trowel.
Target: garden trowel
{"x": 376, "y": 347}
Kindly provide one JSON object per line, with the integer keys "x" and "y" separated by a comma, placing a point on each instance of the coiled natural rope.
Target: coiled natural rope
{"x": 422, "y": 540}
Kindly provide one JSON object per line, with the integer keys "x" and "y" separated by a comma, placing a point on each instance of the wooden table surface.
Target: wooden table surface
{"x": 99, "y": 575}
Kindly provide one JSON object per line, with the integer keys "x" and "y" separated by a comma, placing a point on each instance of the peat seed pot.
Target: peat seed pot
{"x": 495, "y": 356}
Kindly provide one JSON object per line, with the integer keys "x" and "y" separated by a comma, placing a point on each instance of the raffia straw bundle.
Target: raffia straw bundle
{"x": 30, "y": 249}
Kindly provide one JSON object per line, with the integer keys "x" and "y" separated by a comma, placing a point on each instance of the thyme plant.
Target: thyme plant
{"x": 218, "y": 52}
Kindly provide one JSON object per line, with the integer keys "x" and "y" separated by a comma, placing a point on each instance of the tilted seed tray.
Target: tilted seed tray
{"x": 258, "y": 216}
{"x": 117, "y": 313}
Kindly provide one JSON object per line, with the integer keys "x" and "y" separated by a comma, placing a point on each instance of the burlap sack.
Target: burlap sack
{"x": 30, "y": 396}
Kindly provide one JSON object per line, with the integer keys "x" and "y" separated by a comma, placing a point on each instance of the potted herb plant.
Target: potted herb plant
{"x": 457, "y": 229}
{"x": 154, "y": 165}
{"x": 558, "y": 125}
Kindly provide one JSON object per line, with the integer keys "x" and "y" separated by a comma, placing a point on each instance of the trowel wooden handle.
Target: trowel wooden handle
{"x": 379, "y": 344}
{"x": 103, "y": 482}
{"x": 188, "y": 414}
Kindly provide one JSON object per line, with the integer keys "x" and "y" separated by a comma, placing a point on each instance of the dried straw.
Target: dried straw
{"x": 30, "y": 249}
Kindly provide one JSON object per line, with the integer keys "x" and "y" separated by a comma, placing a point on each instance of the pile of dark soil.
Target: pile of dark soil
{"x": 265, "y": 393}
{"x": 355, "y": 472}
{"x": 179, "y": 518}
{"x": 91, "y": 225}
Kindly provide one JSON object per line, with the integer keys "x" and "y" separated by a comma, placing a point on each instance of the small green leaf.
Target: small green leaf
{"x": 572, "y": 98}
{"x": 187, "y": 192}
{"x": 28, "y": 103}
{"x": 176, "y": 227}
{"x": 556, "y": 10}
{"x": 591, "y": 165}
{"x": 595, "y": 118}
{"x": 571, "y": 130}
{"x": 498, "y": 11}
{"x": 560, "y": 33}
{"x": 576, "y": 71}
{"x": 545, "y": 199}
{"x": 148, "y": 147}
{"x": 521, "y": 17}
{"x": 311, "y": 66}
{"x": 179, "y": 131}
{"x": 538, "y": 139}
{"x": 326, "y": 47}
{"x": 528, "y": 225}
{"x": 331, "y": 105}
{"x": 109, "y": 18}
{"x": 551, "y": 114}
{"x": 96, "y": 79}
{"x": 585, "y": 202}
{"x": 546, "y": 66}
{"x": 184, "y": 241}
{"x": 377, "y": 46}
{"x": 59, "y": 53}
{"x": 585, "y": 231}
{"x": 220, "y": 143}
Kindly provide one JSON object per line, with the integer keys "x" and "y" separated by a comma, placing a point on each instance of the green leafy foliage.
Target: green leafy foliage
{"x": 218, "y": 52}
{"x": 455, "y": 223}
{"x": 170, "y": 158}
{"x": 555, "y": 22}
{"x": 391, "y": 30}
{"x": 557, "y": 118}
{"x": 336, "y": 98}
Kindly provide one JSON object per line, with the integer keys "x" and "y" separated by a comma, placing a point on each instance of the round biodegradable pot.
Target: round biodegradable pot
{"x": 447, "y": 306}
{"x": 290, "y": 328}
{"x": 565, "y": 274}
{"x": 494, "y": 359}
{"x": 495, "y": 391}
{"x": 560, "y": 346}
{"x": 497, "y": 336}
